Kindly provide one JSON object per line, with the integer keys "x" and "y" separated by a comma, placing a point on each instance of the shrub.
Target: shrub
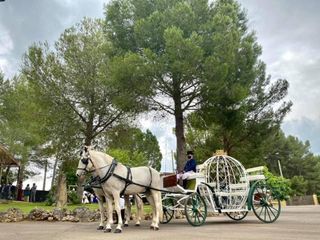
{"x": 280, "y": 185}
{"x": 299, "y": 186}
{"x": 73, "y": 197}
{"x": 51, "y": 197}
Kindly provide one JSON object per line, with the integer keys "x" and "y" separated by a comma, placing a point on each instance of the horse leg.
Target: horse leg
{"x": 116, "y": 198}
{"x": 110, "y": 216}
{"x": 128, "y": 210}
{"x": 139, "y": 205}
{"x": 157, "y": 205}
{"x": 101, "y": 208}
{"x": 152, "y": 203}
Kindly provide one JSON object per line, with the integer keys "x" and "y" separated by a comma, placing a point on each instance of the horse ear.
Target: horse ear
{"x": 87, "y": 148}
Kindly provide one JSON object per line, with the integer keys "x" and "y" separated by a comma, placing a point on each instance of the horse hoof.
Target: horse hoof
{"x": 118, "y": 230}
{"x": 154, "y": 228}
{"x": 137, "y": 225}
{"x": 100, "y": 228}
{"x": 126, "y": 225}
{"x": 107, "y": 230}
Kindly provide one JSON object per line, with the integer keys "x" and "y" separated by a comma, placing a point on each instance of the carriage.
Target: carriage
{"x": 221, "y": 186}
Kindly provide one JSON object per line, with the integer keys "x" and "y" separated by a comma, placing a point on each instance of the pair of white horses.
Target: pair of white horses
{"x": 117, "y": 179}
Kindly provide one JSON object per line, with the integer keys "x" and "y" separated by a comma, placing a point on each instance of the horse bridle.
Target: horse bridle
{"x": 86, "y": 161}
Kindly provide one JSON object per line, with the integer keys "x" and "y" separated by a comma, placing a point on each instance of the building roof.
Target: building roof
{"x": 6, "y": 159}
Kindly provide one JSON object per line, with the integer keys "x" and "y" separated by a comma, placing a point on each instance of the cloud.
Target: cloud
{"x": 6, "y": 43}
{"x": 289, "y": 32}
{"x": 304, "y": 129}
{"x": 27, "y": 22}
{"x": 302, "y": 69}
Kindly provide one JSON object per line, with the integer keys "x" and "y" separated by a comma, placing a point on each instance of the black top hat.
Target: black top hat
{"x": 189, "y": 152}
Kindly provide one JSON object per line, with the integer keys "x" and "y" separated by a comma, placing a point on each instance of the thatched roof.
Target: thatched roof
{"x": 6, "y": 159}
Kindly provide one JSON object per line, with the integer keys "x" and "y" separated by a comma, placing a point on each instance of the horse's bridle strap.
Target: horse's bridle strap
{"x": 95, "y": 169}
{"x": 110, "y": 171}
{"x": 86, "y": 165}
{"x": 128, "y": 181}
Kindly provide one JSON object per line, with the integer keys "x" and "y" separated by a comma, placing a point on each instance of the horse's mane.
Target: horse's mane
{"x": 100, "y": 154}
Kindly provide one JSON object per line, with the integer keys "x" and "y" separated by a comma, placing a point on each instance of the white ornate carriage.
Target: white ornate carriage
{"x": 223, "y": 185}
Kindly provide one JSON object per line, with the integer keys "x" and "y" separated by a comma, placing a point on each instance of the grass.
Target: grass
{"x": 26, "y": 207}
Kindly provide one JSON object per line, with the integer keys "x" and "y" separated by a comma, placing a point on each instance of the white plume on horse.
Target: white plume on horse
{"x": 117, "y": 179}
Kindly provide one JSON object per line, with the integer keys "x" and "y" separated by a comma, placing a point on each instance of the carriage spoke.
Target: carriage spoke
{"x": 268, "y": 213}
{"x": 270, "y": 206}
{"x": 195, "y": 210}
{"x": 271, "y": 211}
{"x": 261, "y": 210}
{"x": 274, "y": 208}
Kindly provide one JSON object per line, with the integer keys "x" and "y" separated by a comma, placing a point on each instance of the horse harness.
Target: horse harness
{"x": 128, "y": 180}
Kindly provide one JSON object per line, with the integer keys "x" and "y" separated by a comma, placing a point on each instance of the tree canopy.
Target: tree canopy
{"x": 197, "y": 55}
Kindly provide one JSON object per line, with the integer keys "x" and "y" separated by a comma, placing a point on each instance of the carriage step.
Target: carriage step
{"x": 236, "y": 193}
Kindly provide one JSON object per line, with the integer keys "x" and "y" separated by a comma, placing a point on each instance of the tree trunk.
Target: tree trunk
{"x": 54, "y": 172}
{"x": 80, "y": 180}
{"x": 45, "y": 175}
{"x": 18, "y": 191}
{"x": 20, "y": 174}
{"x": 61, "y": 194}
{"x": 1, "y": 175}
{"x": 181, "y": 141}
{"x": 227, "y": 148}
{"x": 6, "y": 175}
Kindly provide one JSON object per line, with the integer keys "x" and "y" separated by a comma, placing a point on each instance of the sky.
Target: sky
{"x": 288, "y": 31}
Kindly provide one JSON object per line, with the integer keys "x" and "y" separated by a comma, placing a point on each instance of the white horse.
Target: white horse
{"x": 117, "y": 179}
{"x": 101, "y": 197}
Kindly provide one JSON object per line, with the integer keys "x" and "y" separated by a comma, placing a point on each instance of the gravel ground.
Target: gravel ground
{"x": 302, "y": 222}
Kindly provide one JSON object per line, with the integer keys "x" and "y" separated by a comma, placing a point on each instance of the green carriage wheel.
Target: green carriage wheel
{"x": 195, "y": 210}
{"x": 266, "y": 206}
{"x": 167, "y": 210}
{"x": 237, "y": 216}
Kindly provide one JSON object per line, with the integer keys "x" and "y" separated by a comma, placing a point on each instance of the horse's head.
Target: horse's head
{"x": 85, "y": 163}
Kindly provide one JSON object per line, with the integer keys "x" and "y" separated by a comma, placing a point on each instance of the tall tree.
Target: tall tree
{"x": 18, "y": 129}
{"x": 73, "y": 86}
{"x": 297, "y": 161}
{"x": 201, "y": 55}
{"x": 165, "y": 42}
{"x": 239, "y": 101}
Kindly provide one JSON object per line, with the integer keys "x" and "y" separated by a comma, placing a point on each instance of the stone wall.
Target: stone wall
{"x": 80, "y": 214}
{"x": 302, "y": 200}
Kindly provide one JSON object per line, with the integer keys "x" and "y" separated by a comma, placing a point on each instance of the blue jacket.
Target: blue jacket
{"x": 190, "y": 165}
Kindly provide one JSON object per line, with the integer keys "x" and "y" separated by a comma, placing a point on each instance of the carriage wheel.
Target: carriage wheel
{"x": 195, "y": 210}
{"x": 237, "y": 216}
{"x": 167, "y": 209}
{"x": 266, "y": 206}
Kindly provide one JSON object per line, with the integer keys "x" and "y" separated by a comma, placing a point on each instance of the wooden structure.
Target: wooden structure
{"x": 6, "y": 160}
